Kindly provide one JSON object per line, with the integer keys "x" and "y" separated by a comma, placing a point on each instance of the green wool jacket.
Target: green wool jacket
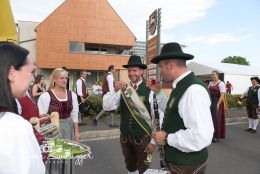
{"x": 128, "y": 125}
{"x": 173, "y": 123}
{"x": 252, "y": 98}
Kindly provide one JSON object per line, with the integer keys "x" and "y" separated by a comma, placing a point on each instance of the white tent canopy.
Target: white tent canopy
{"x": 238, "y": 75}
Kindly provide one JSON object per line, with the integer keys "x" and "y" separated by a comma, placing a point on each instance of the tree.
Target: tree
{"x": 236, "y": 60}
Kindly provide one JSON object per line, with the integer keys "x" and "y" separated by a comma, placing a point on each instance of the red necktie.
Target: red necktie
{"x": 135, "y": 87}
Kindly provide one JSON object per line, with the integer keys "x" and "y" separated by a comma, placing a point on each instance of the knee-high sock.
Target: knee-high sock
{"x": 250, "y": 123}
{"x": 255, "y": 123}
{"x": 135, "y": 172}
{"x": 112, "y": 118}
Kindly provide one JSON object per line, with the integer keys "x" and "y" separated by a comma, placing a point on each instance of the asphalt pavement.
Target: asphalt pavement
{"x": 103, "y": 131}
{"x": 239, "y": 153}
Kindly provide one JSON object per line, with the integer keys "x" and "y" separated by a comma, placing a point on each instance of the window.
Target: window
{"x": 76, "y": 47}
{"x": 93, "y": 48}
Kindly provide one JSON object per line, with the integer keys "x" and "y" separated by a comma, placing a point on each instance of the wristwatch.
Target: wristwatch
{"x": 166, "y": 140}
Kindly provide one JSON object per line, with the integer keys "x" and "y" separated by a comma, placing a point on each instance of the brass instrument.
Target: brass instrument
{"x": 240, "y": 100}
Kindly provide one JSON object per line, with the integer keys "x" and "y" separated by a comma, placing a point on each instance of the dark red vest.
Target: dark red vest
{"x": 64, "y": 108}
{"x": 29, "y": 108}
{"x": 105, "y": 87}
{"x": 84, "y": 89}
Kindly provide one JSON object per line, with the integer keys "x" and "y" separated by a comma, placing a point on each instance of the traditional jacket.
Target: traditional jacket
{"x": 128, "y": 125}
{"x": 105, "y": 86}
{"x": 173, "y": 123}
{"x": 252, "y": 98}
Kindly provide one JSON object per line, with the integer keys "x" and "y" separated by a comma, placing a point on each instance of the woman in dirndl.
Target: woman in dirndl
{"x": 58, "y": 99}
{"x": 217, "y": 92}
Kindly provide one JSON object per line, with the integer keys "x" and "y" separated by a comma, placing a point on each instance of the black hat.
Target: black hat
{"x": 135, "y": 60}
{"x": 171, "y": 51}
{"x": 255, "y": 78}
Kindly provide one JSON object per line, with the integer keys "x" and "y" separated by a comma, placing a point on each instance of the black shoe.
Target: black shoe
{"x": 214, "y": 140}
{"x": 95, "y": 122}
{"x": 253, "y": 131}
{"x": 113, "y": 125}
{"x": 248, "y": 130}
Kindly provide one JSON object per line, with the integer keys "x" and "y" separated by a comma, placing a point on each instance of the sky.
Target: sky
{"x": 211, "y": 29}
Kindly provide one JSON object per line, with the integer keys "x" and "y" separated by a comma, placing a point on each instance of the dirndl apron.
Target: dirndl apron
{"x": 61, "y": 166}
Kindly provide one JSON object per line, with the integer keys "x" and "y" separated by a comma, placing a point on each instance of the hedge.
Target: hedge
{"x": 233, "y": 101}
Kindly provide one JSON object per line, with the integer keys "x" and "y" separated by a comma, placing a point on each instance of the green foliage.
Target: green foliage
{"x": 96, "y": 106}
{"x": 100, "y": 80}
{"x": 233, "y": 101}
{"x": 236, "y": 60}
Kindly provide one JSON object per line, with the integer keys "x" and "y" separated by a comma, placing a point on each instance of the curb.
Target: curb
{"x": 99, "y": 135}
{"x": 236, "y": 120}
{"x": 115, "y": 133}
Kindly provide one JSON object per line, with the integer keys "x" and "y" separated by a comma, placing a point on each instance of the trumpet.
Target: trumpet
{"x": 240, "y": 100}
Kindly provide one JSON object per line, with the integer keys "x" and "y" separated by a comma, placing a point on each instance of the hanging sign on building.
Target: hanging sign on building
{"x": 153, "y": 43}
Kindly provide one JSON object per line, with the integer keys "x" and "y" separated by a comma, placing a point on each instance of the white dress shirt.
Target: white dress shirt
{"x": 79, "y": 86}
{"x": 110, "y": 81}
{"x": 19, "y": 149}
{"x": 45, "y": 99}
{"x": 194, "y": 109}
{"x": 111, "y": 101}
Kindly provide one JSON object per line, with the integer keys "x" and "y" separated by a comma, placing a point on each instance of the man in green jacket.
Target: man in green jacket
{"x": 187, "y": 128}
{"x": 253, "y": 104}
{"x": 135, "y": 135}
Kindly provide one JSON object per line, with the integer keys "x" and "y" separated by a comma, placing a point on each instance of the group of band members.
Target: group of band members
{"x": 187, "y": 127}
{"x": 186, "y": 131}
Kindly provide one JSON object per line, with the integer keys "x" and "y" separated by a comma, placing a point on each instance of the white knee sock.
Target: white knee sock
{"x": 250, "y": 123}
{"x": 135, "y": 172}
{"x": 255, "y": 123}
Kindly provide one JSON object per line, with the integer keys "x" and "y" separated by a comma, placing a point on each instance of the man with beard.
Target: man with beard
{"x": 135, "y": 137}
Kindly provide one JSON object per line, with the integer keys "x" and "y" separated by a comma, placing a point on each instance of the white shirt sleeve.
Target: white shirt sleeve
{"x": 79, "y": 87}
{"x": 222, "y": 87}
{"x": 111, "y": 100}
{"x": 162, "y": 100}
{"x": 194, "y": 109}
{"x": 161, "y": 114}
{"x": 19, "y": 147}
{"x": 75, "y": 108}
{"x": 43, "y": 103}
{"x": 110, "y": 80}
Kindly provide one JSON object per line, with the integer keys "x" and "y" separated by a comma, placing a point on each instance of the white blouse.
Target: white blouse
{"x": 221, "y": 86}
{"x": 44, "y": 102}
{"x": 19, "y": 149}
